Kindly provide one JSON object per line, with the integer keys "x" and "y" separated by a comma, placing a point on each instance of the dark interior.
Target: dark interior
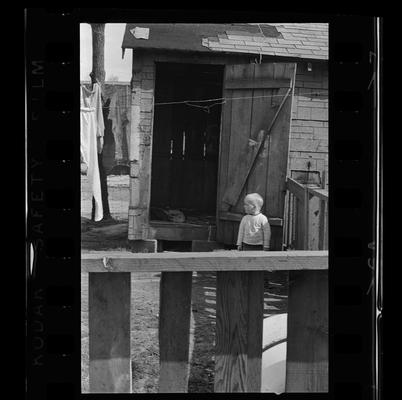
{"x": 185, "y": 144}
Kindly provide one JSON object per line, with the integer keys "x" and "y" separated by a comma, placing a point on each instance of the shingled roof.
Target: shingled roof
{"x": 295, "y": 40}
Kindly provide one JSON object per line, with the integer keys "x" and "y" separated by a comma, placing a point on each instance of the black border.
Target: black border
{"x": 53, "y": 289}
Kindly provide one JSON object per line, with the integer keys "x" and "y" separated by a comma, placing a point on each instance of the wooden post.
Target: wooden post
{"x": 307, "y": 340}
{"x": 314, "y": 223}
{"x": 326, "y": 227}
{"x": 142, "y": 98}
{"x": 306, "y": 218}
{"x": 239, "y": 321}
{"x": 174, "y": 331}
{"x": 322, "y": 222}
{"x": 109, "y": 332}
{"x": 254, "y": 327}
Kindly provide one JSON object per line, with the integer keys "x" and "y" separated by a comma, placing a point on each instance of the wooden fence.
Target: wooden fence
{"x": 306, "y": 220}
{"x": 239, "y": 317}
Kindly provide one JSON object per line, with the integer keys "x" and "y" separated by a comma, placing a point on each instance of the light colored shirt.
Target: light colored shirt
{"x": 254, "y": 229}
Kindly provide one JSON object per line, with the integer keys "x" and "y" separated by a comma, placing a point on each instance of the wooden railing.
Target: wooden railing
{"x": 239, "y": 317}
{"x": 306, "y": 220}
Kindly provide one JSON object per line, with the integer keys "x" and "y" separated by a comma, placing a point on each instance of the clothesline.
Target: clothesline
{"x": 220, "y": 100}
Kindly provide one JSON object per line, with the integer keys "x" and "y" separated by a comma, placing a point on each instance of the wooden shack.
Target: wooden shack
{"x": 218, "y": 111}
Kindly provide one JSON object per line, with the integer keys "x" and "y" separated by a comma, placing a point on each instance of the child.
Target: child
{"x": 254, "y": 231}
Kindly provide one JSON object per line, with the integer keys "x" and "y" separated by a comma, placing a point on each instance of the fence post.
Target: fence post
{"x": 315, "y": 219}
{"x": 174, "y": 331}
{"x": 109, "y": 332}
{"x": 307, "y": 340}
{"x": 239, "y": 321}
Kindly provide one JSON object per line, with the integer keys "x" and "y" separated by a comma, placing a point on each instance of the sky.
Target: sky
{"x": 114, "y": 64}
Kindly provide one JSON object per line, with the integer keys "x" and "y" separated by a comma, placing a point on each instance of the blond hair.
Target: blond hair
{"x": 255, "y": 199}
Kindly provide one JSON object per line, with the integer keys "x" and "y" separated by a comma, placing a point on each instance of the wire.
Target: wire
{"x": 221, "y": 100}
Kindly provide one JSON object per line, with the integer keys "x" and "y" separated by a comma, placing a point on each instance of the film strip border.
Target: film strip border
{"x": 355, "y": 274}
{"x": 53, "y": 198}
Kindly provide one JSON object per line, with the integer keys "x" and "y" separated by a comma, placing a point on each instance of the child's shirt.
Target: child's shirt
{"x": 254, "y": 229}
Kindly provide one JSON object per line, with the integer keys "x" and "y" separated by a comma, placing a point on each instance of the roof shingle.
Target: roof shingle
{"x": 299, "y": 40}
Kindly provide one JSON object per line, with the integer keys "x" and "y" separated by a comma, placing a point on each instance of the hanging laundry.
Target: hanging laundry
{"x": 92, "y": 132}
{"x": 118, "y": 116}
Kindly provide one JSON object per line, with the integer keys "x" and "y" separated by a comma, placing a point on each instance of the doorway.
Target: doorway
{"x": 185, "y": 148}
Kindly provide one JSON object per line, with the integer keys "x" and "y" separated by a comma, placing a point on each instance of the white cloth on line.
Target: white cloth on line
{"x": 91, "y": 143}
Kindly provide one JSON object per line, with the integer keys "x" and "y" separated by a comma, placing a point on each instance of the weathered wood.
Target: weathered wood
{"x": 314, "y": 223}
{"x": 249, "y": 162}
{"x": 143, "y": 246}
{"x": 225, "y": 260}
{"x": 231, "y": 332}
{"x": 299, "y": 223}
{"x": 161, "y": 230}
{"x": 320, "y": 193}
{"x": 237, "y": 217}
{"x": 325, "y": 247}
{"x": 263, "y": 113}
{"x": 296, "y": 188}
{"x": 205, "y": 245}
{"x": 257, "y": 83}
{"x": 278, "y": 150}
{"x": 245, "y": 163}
{"x": 174, "y": 331}
{"x": 307, "y": 337}
{"x": 224, "y": 233}
{"x": 254, "y": 327}
{"x": 321, "y": 228}
{"x": 109, "y": 333}
{"x": 239, "y": 322}
{"x": 240, "y": 150}
{"x": 306, "y": 219}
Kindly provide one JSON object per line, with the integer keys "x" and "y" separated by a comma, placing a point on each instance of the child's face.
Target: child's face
{"x": 249, "y": 207}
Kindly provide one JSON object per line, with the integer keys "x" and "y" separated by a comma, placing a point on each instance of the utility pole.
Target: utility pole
{"x": 98, "y": 75}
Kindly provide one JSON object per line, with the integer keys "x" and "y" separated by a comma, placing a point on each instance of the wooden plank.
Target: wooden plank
{"x": 307, "y": 338}
{"x": 226, "y": 232}
{"x": 321, "y": 228}
{"x": 205, "y": 245}
{"x": 262, "y": 115}
{"x": 306, "y": 219}
{"x": 314, "y": 223}
{"x": 276, "y": 238}
{"x": 260, "y": 83}
{"x": 326, "y": 227}
{"x": 143, "y": 246}
{"x": 299, "y": 224}
{"x": 247, "y": 159}
{"x": 296, "y": 188}
{"x": 254, "y": 330}
{"x": 174, "y": 331}
{"x": 241, "y": 151}
{"x": 320, "y": 193}
{"x": 225, "y": 260}
{"x": 181, "y": 232}
{"x": 231, "y": 332}
{"x": 230, "y": 216}
{"x": 278, "y": 153}
{"x": 161, "y": 137}
{"x": 109, "y": 333}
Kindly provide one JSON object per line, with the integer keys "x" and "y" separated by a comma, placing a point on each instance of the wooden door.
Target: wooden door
{"x": 254, "y": 144}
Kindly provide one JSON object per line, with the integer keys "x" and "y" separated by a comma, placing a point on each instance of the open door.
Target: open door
{"x": 254, "y": 144}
